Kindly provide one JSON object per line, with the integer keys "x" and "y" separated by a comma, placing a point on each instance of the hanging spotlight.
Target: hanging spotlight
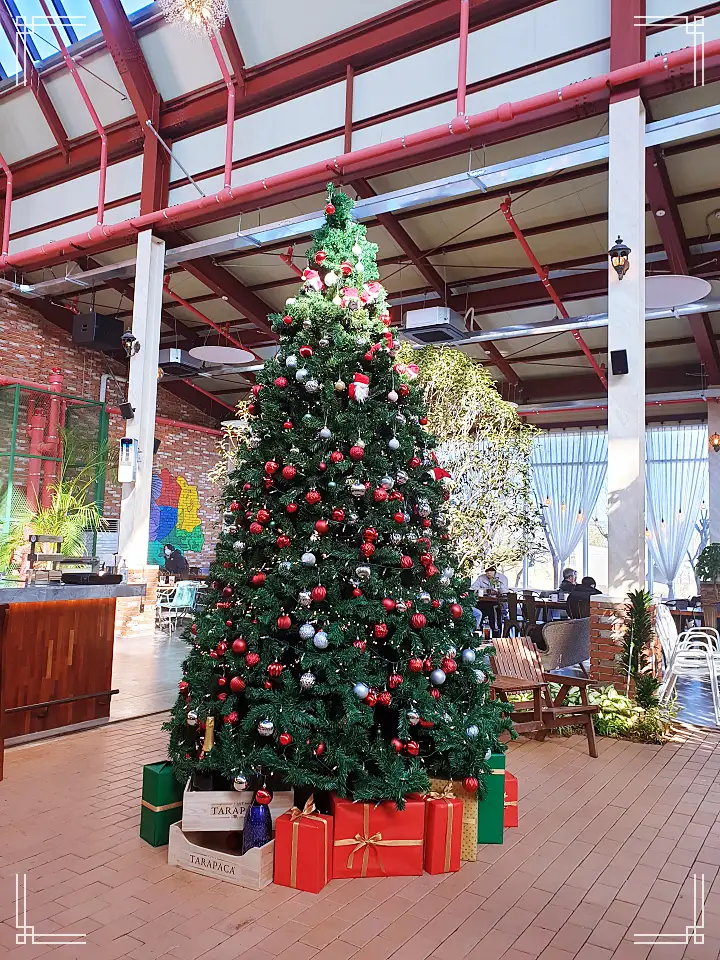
{"x": 715, "y": 442}
{"x": 619, "y": 255}
{"x": 196, "y": 14}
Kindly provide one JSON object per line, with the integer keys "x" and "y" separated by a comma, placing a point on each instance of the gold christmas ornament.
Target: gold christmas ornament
{"x": 195, "y": 14}
{"x": 209, "y": 741}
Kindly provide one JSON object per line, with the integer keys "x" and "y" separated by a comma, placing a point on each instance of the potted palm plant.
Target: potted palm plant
{"x": 707, "y": 570}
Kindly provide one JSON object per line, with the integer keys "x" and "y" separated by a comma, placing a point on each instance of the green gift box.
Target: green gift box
{"x": 491, "y": 809}
{"x": 161, "y": 803}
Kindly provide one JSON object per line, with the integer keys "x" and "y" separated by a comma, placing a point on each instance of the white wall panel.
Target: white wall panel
{"x": 64, "y": 199}
{"x": 23, "y": 130}
{"x": 111, "y": 104}
{"x": 179, "y": 62}
{"x": 72, "y": 228}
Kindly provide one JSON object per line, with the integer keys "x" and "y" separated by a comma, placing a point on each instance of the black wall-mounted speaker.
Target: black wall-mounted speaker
{"x": 156, "y": 445}
{"x": 97, "y": 331}
{"x": 618, "y": 362}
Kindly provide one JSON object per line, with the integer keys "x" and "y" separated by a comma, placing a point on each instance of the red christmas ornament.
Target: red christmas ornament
{"x": 268, "y": 483}
{"x": 427, "y": 724}
{"x": 425, "y": 559}
{"x": 338, "y": 514}
{"x": 234, "y": 506}
{"x": 431, "y": 570}
{"x": 435, "y": 693}
{"x": 435, "y": 604}
{"x": 227, "y": 591}
{"x": 389, "y": 603}
{"x": 406, "y": 562}
{"x": 237, "y": 684}
{"x": 289, "y": 472}
{"x": 193, "y": 629}
{"x": 283, "y": 540}
{"x": 183, "y": 686}
{"x": 427, "y": 664}
{"x": 370, "y": 533}
{"x": 253, "y": 409}
{"x": 470, "y": 784}
{"x": 412, "y": 748}
{"x": 336, "y": 457}
{"x": 275, "y": 669}
{"x": 318, "y": 594}
{"x": 396, "y": 495}
{"x": 346, "y": 268}
{"x": 252, "y": 659}
{"x": 371, "y": 699}
{"x": 423, "y": 421}
{"x": 322, "y": 466}
{"x": 404, "y": 389}
{"x": 396, "y": 744}
{"x": 272, "y": 466}
{"x": 262, "y": 516}
{"x": 380, "y": 495}
{"x": 267, "y": 684}
{"x": 361, "y": 645}
{"x": 394, "y": 680}
{"x": 221, "y": 648}
{"x": 239, "y": 645}
{"x": 448, "y": 665}
{"x": 455, "y": 611}
{"x": 320, "y": 256}
{"x": 263, "y": 796}
{"x": 232, "y": 717}
{"x": 427, "y": 522}
{"x": 214, "y": 654}
{"x": 384, "y": 698}
{"x": 256, "y": 388}
{"x": 287, "y": 319}
{"x": 399, "y": 517}
{"x": 285, "y": 739}
{"x": 380, "y": 630}
{"x": 281, "y": 382}
{"x": 357, "y": 592}
{"x": 305, "y": 352}
{"x": 284, "y": 622}
{"x": 312, "y": 497}
{"x": 246, "y": 486}
{"x": 256, "y": 527}
{"x": 322, "y": 526}
{"x": 329, "y": 209}
{"x": 228, "y": 623}
{"x": 418, "y": 621}
{"x": 414, "y": 462}
{"x": 357, "y": 452}
{"x": 367, "y": 549}
{"x": 415, "y": 665}
{"x": 291, "y": 508}
{"x": 319, "y": 750}
{"x": 287, "y": 425}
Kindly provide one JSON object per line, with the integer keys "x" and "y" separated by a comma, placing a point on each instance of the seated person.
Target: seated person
{"x": 578, "y": 603}
{"x": 175, "y": 562}
{"x": 492, "y": 584}
{"x": 491, "y": 581}
{"x": 569, "y": 580}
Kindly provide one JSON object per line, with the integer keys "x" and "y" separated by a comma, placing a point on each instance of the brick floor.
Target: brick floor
{"x": 606, "y": 848}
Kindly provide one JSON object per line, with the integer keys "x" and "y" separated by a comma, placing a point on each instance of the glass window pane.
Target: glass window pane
{"x": 131, "y": 6}
{"x": 80, "y": 17}
{"x": 7, "y": 55}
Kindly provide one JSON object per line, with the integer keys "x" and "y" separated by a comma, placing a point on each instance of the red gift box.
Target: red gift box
{"x": 303, "y": 849}
{"x": 378, "y": 840}
{"x": 443, "y": 832}
{"x": 511, "y": 800}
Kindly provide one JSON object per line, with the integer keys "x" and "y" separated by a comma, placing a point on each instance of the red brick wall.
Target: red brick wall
{"x": 606, "y": 631}
{"x": 30, "y": 347}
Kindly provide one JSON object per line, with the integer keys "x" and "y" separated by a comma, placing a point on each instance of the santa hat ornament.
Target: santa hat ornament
{"x": 359, "y": 389}
{"x": 312, "y": 279}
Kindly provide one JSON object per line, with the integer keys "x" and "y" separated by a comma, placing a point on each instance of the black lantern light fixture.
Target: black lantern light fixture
{"x": 619, "y": 254}
{"x": 715, "y": 442}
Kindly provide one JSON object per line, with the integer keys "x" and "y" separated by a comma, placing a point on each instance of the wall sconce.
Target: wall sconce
{"x": 715, "y": 442}
{"x": 619, "y": 255}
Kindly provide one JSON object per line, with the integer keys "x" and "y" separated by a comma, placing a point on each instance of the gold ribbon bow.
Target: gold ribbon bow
{"x": 445, "y": 794}
{"x": 367, "y": 842}
{"x": 308, "y": 812}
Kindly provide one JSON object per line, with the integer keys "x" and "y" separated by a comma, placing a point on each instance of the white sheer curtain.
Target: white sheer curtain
{"x": 569, "y": 469}
{"x": 675, "y": 485}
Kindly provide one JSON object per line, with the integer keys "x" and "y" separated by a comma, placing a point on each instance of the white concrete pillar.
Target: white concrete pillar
{"x": 713, "y": 418}
{"x": 626, "y": 331}
{"x": 142, "y": 394}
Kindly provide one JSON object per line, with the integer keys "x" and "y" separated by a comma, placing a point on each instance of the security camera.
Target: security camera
{"x": 130, "y": 343}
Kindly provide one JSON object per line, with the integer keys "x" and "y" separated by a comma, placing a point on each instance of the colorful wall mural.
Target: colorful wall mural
{"x": 174, "y": 516}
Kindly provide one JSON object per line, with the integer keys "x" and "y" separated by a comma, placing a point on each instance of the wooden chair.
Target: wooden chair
{"x": 517, "y": 666}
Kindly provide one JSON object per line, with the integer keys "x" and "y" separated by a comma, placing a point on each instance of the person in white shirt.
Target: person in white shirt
{"x": 491, "y": 580}
{"x": 491, "y": 583}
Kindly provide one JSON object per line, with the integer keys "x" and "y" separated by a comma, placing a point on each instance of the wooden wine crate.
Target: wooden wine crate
{"x": 201, "y": 853}
{"x": 205, "y": 810}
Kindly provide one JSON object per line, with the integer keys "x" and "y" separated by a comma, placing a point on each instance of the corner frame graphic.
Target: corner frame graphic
{"x": 26, "y": 932}
{"x": 694, "y": 932}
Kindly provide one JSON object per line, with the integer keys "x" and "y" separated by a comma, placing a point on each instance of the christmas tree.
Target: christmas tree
{"x": 336, "y": 648}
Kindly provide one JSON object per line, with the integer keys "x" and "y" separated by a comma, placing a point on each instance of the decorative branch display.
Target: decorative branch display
{"x": 336, "y": 650}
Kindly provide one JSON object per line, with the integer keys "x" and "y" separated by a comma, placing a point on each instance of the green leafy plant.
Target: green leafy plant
{"x": 637, "y": 640}
{"x": 707, "y": 565}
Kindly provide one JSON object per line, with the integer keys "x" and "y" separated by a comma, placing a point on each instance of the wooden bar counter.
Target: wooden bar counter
{"x": 56, "y": 653}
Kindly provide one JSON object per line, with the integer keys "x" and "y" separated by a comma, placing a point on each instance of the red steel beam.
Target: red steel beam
{"x": 32, "y": 80}
{"x": 206, "y": 320}
{"x": 223, "y": 284}
{"x": 232, "y": 48}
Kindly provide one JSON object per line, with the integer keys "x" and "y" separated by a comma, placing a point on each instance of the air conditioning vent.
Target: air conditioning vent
{"x": 433, "y": 325}
{"x": 178, "y": 362}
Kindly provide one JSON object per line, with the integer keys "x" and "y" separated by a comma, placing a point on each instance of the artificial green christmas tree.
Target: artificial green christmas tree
{"x": 336, "y": 649}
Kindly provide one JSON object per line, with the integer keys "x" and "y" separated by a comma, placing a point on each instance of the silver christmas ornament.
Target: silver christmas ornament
{"x": 192, "y": 718}
{"x": 423, "y": 509}
{"x": 363, "y": 572}
{"x": 307, "y": 631}
{"x": 407, "y": 517}
{"x": 324, "y": 342}
{"x": 326, "y": 433}
{"x": 356, "y": 249}
{"x": 424, "y": 596}
{"x": 358, "y": 489}
{"x": 294, "y": 450}
{"x": 387, "y": 482}
{"x": 361, "y": 690}
{"x": 480, "y": 676}
{"x": 445, "y": 581}
{"x": 284, "y": 565}
{"x": 488, "y": 754}
{"x": 308, "y": 559}
{"x": 253, "y": 442}
{"x": 291, "y": 361}
{"x": 304, "y": 598}
{"x": 307, "y": 681}
{"x": 238, "y": 546}
{"x": 320, "y": 640}
{"x": 437, "y": 677}
{"x": 307, "y": 323}
{"x": 266, "y": 728}
{"x": 448, "y": 572}
{"x": 468, "y": 656}
{"x": 396, "y": 537}
{"x": 472, "y": 731}
{"x": 353, "y": 518}
{"x": 402, "y": 477}
{"x": 393, "y": 443}
{"x": 393, "y": 396}
{"x": 240, "y": 782}
{"x": 312, "y": 386}
{"x": 400, "y": 417}
{"x": 302, "y": 374}
{"x": 451, "y": 652}
{"x": 413, "y": 717}
{"x": 401, "y": 606}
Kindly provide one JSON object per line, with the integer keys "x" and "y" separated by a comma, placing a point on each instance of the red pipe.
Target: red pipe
{"x": 462, "y": 56}
{"x": 230, "y": 108}
{"x": 51, "y": 444}
{"x": 36, "y": 432}
{"x": 8, "y": 206}
{"x": 70, "y": 64}
{"x": 207, "y": 320}
{"x": 288, "y": 259}
{"x": 182, "y": 214}
{"x": 542, "y": 274}
{"x": 167, "y": 422}
{"x": 212, "y": 396}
